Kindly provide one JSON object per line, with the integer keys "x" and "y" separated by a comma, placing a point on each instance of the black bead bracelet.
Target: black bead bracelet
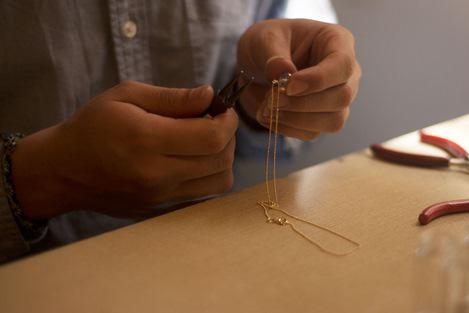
{"x": 32, "y": 230}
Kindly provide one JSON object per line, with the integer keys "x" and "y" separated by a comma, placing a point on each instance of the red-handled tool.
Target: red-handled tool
{"x": 449, "y": 146}
{"x": 443, "y": 208}
{"x": 459, "y": 158}
{"x": 405, "y": 158}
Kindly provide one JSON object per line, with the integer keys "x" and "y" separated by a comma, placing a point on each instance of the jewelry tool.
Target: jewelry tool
{"x": 443, "y": 208}
{"x": 228, "y": 96}
{"x": 458, "y": 158}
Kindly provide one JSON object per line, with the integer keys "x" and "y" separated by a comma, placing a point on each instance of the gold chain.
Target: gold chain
{"x": 272, "y": 204}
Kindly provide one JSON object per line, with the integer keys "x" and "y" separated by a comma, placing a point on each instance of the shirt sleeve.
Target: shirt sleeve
{"x": 12, "y": 243}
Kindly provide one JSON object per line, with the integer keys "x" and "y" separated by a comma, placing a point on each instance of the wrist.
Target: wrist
{"x": 39, "y": 191}
{"x": 32, "y": 230}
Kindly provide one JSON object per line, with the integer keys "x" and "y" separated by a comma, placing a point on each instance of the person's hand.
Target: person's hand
{"x": 325, "y": 74}
{"x": 129, "y": 149}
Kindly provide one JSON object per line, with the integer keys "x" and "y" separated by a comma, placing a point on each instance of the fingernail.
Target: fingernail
{"x": 199, "y": 92}
{"x": 296, "y": 87}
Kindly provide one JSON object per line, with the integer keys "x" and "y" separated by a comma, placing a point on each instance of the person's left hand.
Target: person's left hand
{"x": 325, "y": 74}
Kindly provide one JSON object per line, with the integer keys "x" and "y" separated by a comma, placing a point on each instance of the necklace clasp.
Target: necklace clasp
{"x": 279, "y": 221}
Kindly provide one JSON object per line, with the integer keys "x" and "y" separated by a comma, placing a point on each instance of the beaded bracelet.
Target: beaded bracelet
{"x": 32, "y": 231}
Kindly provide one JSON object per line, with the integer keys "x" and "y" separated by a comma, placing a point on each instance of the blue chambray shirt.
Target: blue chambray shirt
{"x": 55, "y": 55}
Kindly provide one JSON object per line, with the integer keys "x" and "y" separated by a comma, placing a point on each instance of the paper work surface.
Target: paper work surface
{"x": 221, "y": 256}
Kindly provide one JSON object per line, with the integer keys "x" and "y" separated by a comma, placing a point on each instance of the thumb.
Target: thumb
{"x": 265, "y": 51}
{"x": 183, "y": 102}
{"x": 278, "y": 65}
{"x": 273, "y": 53}
{"x": 169, "y": 102}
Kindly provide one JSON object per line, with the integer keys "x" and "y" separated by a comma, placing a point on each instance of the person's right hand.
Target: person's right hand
{"x": 131, "y": 148}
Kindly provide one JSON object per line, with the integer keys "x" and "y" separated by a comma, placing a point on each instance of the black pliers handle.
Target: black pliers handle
{"x": 226, "y": 98}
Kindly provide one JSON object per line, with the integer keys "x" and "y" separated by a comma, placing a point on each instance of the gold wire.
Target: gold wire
{"x": 275, "y": 141}
{"x": 274, "y": 204}
{"x": 267, "y": 158}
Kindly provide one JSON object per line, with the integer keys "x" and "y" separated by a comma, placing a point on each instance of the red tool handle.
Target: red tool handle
{"x": 408, "y": 158}
{"x": 449, "y": 146}
{"x": 443, "y": 208}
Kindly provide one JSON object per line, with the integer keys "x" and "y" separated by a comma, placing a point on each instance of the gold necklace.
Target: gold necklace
{"x": 272, "y": 204}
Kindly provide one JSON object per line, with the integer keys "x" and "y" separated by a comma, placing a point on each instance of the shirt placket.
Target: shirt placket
{"x": 130, "y": 37}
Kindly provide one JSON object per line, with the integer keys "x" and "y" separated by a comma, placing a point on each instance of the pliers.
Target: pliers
{"x": 228, "y": 96}
{"x": 459, "y": 158}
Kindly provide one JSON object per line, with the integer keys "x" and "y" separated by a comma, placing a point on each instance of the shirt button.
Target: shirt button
{"x": 129, "y": 29}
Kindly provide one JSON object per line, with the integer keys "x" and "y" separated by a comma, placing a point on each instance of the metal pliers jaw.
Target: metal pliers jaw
{"x": 226, "y": 98}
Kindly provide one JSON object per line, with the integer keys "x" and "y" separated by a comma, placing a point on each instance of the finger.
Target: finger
{"x": 335, "y": 64}
{"x": 170, "y": 102}
{"x": 313, "y": 122}
{"x": 269, "y": 55}
{"x": 297, "y": 133}
{"x": 294, "y": 132}
{"x": 175, "y": 170}
{"x": 188, "y": 190}
{"x": 335, "y": 70}
{"x": 330, "y": 100}
{"x": 276, "y": 66}
{"x": 193, "y": 136}
{"x": 193, "y": 167}
{"x": 192, "y": 189}
{"x": 205, "y": 186}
